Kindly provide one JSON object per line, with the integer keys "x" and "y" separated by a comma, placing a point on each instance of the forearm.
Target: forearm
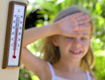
{"x": 34, "y": 34}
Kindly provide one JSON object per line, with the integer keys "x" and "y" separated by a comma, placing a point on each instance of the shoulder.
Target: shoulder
{"x": 92, "y": 78}
{"x": 44, "y": 72}
{"x": 47, "y": 72}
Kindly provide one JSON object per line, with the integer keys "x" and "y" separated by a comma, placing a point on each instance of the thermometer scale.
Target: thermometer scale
{"x": 14, "y": 34}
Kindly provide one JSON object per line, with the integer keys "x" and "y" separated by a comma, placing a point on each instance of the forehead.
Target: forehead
{"x": 85, "y": 32}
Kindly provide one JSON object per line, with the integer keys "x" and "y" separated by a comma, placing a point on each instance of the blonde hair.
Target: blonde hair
{"x": 51, "y": 52}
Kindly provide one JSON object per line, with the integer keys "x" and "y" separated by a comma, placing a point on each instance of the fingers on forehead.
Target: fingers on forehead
{"x": 82, "y": 26}
{"x": 83, "y": 17}
{"x": 76, "y": 35}
{"x": 79, "y": 34}
{"x": 77, "y": 14}
{"x": 85, "y": 26}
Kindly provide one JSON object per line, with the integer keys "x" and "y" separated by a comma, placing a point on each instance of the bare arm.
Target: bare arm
{"x": 92, "y": 78}
{"x": 33, "y": 34}
{"x": 33, "y": 63}
{"x": 36, "y": 65}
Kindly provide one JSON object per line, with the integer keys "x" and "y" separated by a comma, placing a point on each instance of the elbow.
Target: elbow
{"x": 23, "y": 44}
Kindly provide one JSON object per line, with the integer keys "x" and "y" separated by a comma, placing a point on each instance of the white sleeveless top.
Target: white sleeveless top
{"x": 54, "y": 77}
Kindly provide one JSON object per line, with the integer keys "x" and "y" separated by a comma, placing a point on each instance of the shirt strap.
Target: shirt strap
{"x": 52, "y": 70}
{"x": 88, "y": 75}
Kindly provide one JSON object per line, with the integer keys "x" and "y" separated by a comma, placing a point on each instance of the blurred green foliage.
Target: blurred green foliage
{"x": 50, "y": 8}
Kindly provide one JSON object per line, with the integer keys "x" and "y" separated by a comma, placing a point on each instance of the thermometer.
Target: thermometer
{"x": 14, "y": 34}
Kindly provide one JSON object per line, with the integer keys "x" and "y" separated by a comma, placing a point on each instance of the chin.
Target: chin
{"x": 75, "y": 59}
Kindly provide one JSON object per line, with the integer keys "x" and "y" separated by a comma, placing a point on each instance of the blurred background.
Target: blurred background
{"x": 42, "y": 12}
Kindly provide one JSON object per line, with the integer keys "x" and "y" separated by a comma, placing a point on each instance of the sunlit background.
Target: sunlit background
{"x": 42, "y": 12}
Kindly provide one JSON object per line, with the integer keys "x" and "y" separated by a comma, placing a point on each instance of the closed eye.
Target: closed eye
{"x": 70, "y": 37}
{"x": 83, "y": 38}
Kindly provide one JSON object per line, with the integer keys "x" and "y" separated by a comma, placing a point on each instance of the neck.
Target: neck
{"x": 68, "y": 66}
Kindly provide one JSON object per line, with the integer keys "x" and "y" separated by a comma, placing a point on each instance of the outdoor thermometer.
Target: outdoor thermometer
{"x": 14, "y": 34}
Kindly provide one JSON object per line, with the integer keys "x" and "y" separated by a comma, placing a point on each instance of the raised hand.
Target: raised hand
{"x": 69, "y": 25}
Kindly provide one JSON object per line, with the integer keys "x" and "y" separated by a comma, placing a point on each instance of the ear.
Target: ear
{"x": 55, "y": 40}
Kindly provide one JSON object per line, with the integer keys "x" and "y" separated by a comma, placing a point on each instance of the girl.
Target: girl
{"x": 67, "y": 52}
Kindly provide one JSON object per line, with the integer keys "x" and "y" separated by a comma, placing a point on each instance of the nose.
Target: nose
{"x": 77, "y": 42}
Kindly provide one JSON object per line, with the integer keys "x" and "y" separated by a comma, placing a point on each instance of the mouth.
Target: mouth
{"x": 75, "y": 52}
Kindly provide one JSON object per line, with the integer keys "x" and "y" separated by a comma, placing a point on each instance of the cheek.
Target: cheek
{"x": 85, "y": 46}
{"x": 65, "y": 45}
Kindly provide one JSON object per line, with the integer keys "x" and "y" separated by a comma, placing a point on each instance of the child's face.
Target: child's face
{"x": 73, "y": 48}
